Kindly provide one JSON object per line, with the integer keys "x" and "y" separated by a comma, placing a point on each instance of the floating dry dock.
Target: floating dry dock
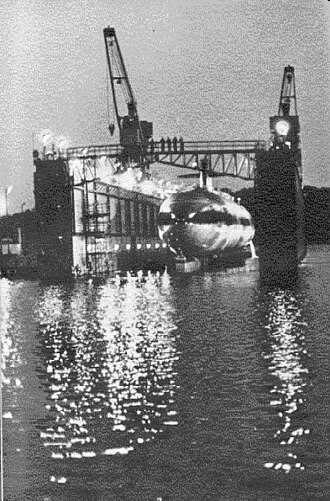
{"x": 82, "y": 225}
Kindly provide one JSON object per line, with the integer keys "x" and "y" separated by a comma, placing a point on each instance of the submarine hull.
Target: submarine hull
{"x": 198, "y": 223}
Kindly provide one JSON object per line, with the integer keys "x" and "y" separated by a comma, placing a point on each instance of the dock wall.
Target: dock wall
{"x": 279, "y": 216}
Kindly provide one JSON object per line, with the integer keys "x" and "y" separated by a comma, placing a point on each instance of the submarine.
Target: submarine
{"x": 199, "y": 222}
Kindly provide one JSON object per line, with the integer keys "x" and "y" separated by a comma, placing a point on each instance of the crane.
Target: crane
{"x": 134, "y": 134}
{"x": 137, "y": 147}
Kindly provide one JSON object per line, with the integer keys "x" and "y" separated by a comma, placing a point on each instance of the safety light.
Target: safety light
{"x": 282, "y": 127}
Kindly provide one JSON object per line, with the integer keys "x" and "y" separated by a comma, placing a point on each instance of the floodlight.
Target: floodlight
{"x": 282, "y": 127}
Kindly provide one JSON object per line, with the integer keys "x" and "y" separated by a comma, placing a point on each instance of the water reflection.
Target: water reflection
{"x": 111, "y": 353}
{"x": 11, "y": 384}
{"x": 7, "y": 348}
{"x": 286, "y": 356}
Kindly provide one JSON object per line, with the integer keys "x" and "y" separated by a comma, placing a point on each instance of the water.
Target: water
{"x": 199, "y": 387}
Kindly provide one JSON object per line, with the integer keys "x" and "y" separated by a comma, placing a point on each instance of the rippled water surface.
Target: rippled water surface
{"x": 196, "y": 387}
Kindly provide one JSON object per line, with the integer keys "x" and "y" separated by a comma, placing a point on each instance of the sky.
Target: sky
{"x": 200, "y": 69}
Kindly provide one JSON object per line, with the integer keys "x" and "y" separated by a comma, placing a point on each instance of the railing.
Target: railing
{"x": 97, "y": 210}
{"x": 179, "y": 146}
{"x": 168, "y": 146}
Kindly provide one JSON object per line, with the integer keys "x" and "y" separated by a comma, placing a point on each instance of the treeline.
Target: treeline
{"x": 27, "y": 221}
{"x": 317, "y": 211}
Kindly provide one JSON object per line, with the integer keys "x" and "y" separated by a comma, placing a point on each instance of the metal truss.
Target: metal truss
{"x": 223, "y": 158}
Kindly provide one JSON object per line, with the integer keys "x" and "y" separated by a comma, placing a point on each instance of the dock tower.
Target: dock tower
{"x": 279, "y": 206}
{"x": 53, "y": 206}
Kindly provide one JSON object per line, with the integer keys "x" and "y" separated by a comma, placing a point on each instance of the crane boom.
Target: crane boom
{"x": 133, "y": 133}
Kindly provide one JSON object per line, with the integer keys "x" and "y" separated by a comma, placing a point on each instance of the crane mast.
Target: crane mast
{"x": 288, "y": 93}
{"x": 133, "y": 133}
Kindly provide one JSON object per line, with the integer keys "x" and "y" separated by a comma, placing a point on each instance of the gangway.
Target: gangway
{"x": 224, "y": 158}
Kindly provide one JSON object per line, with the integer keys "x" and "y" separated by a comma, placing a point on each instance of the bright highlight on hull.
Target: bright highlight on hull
{"x": 198, "y": 222}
